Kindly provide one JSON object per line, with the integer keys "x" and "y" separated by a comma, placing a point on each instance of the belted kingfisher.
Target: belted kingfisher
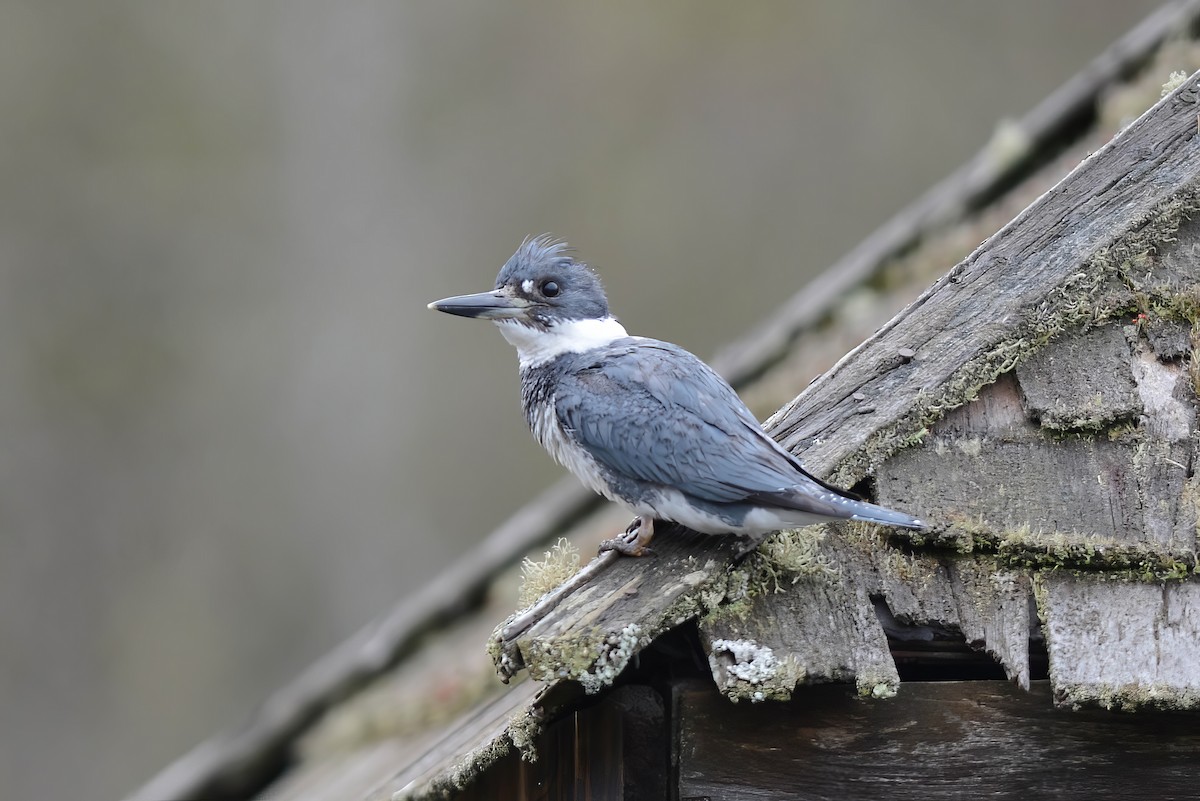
{"x": 644, "y": 422}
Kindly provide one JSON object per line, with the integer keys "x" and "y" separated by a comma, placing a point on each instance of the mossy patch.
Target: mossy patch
{"x": 1026, "y": 549}
{"x": 1128, "y": 697}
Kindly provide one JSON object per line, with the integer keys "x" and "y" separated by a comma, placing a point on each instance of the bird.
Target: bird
{"x": 643, "y": 422}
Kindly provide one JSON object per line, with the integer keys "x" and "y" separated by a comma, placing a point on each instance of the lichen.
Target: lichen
{"x": 784, "y": 559}
{"x": 1123, "y": 102}
{"x": 745, "y": 669}
{"x": 538, "y": 578}
{"x": 523, "y": 730}
{"x": 619, "y": 649}
{"x": 594, "y": 658}
{"x": 752, "y": 663}
{"x": 1173, "y": 82}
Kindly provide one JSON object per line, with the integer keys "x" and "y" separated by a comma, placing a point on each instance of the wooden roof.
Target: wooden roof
{"x": 961, "y": 394}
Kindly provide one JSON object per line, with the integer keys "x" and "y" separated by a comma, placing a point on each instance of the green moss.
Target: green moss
{"x": 460, "y": 775}
{"x": 523, "y": 730}
{"x": 1026, "y": 549}
{"x": 1128, "y": 697}
{"x": 1127, "y": 431}
{"x": 1174, "y": 81}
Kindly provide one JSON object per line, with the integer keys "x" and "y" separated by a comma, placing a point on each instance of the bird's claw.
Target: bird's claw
{"x": 634, "y": 540}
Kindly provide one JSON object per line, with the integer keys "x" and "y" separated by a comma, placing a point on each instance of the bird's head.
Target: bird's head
{"x": 541, "y": 286}
{"x": 545, "y": 304}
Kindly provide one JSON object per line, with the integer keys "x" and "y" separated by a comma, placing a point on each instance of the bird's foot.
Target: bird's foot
{"x": 635, "y": 539}
{"x": 746, "y": 545}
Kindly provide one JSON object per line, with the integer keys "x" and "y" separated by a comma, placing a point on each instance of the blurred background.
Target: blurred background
{"x": 231, "y": 432}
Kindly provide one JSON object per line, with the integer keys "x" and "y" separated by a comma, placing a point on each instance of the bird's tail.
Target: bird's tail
{"x": 871, "y": 513}
{"x": 822, "y": 500}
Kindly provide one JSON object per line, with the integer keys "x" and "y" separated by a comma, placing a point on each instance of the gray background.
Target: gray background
{"x": 232, "y": 433}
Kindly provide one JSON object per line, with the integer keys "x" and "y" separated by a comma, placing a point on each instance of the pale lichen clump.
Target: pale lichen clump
{"x": 594, "y": 659}
{"x": 798, "y": 554}
{"x": 538, "y": 578}
{"x": 744, "y": 662}
{"x": 1174, "y": 81}
{"x": 615, "y": 654}
{"x": 523, "y": 730}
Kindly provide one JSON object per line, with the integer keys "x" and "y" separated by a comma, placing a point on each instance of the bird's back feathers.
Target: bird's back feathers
{"x": 651, "y": 412}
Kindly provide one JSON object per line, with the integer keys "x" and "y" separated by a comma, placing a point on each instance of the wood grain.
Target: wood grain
{"x": 1123, "y": 645}
{"x": 947, "y": 740}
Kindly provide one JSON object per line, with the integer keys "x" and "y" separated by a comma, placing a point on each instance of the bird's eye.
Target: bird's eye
{"x": 550, "y": 289}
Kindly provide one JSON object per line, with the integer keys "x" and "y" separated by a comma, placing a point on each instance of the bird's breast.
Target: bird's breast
{"x": 550, "y": 434}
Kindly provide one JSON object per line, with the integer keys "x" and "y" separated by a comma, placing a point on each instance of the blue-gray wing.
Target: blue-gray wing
{"x": 651, "y": 411}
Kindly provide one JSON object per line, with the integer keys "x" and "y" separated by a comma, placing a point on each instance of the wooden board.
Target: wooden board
{"x": 948, "y": 740}
{"x": 1123, "y": 645}
{"x": 821, "y": 629}
{"x": 471, "y": 745}
{"x": 591, "y": 634}
{"x": 1083, "y": 380}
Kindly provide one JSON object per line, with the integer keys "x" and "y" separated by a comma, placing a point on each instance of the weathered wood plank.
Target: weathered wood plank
{"x": 821, "y": 629}
{"x": 1121, "y": 491}
{"x": 1081, "y": 380}
{"x": 825, "y": 627}
{"x": 617, "y": 749}
{"x": 352, "y": 774}
{"x": 1121, "y": 644}
{"x": 1170, "y": 339}
{"x": 591, "y": 634}
{"x": 1076, "y": 493}
{"x": 986, "y": 603}
{"x": 947, "y": 740}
